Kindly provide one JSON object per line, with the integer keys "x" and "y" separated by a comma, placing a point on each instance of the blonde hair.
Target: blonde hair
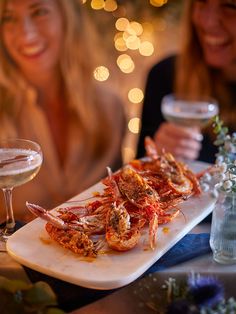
{"x": 76, "y": 68}
{"x": 193, "y": 76}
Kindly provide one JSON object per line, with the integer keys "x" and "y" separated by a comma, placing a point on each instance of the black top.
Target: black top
{"x": 160, "y": 82}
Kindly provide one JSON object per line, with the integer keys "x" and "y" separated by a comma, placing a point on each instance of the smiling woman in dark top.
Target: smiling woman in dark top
{"x": 204, "y": 67}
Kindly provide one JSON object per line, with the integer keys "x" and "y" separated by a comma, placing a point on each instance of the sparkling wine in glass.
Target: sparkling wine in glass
{"x": 188, "y": 112}
{"x": 20, "y": 161}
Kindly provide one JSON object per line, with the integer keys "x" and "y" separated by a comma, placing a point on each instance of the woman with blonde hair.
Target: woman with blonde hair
{"x": 205, "y": 66}
{"x": 48, "y": 95}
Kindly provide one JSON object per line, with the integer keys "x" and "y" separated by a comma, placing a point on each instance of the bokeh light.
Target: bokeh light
{"x": 146, "y": 49}
{"x": 134, "y": 125}
{"x": 97, "y": 4}
{"x": 101, "y": 73}
{"x": 133, "y": 42}
{"x": 110, "y": 5}
{"x": 125, "y": 63}
{"x": 135, "y": 95}
{"x": 118, "y": 35}
{"x": 139, "y": 33}
{"x": 136, "y": 27}
{"x": 121, "y": 24}
{"x": 120, "y": 44}
{"x": 130, "y": 30}
{"x": 158, "y": 3}
{"x": 131, "y": 33}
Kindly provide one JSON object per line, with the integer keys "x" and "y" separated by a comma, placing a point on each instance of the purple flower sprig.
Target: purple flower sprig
{"x": 205, "y": 291}
{"x": 198, "y": 294}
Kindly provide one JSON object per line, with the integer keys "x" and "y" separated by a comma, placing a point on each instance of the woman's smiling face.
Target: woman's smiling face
{"x": 215, "y": 24}
{"x": 32, "y": 32}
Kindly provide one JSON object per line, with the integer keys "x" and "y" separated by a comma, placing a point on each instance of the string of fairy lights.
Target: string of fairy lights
{"x": 130, "y": 37}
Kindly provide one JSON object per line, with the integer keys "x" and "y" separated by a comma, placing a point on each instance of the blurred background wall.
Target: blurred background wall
{"x": 133, "y": 35}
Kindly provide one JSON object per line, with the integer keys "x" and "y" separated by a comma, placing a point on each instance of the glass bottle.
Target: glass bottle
{"x": 223, "y": 228}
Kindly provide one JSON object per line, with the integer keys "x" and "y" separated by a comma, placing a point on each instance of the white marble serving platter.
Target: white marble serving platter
{"x": 32, "y": 247}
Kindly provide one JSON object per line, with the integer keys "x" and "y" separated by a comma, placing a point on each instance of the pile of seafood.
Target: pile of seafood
{"x": 145, "y": 192}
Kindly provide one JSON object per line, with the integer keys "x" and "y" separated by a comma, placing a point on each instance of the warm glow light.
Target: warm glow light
{"x": 110, "y": 5}
{"x": 137, "y": 27}
{"x": 126, "y": 35}
{"x": 146, "y": 49}
{"x": 130, "y": 31}
{"x": 122, "y": 23}
{"x": 97, "y": 4}
{"x": 133, "y": 42}
{"x": 118, "y": 35}
{"x": 125, "y": 63}
{"x": 120, "y": 44}
{"x": 123, "y": 57}
{"x": 129, "y": 69}
{"x": 101, "y": 73}
{"x": 135, "y": 95}
{"x": 158, "y": 3}
{"x": 134, "y": 125}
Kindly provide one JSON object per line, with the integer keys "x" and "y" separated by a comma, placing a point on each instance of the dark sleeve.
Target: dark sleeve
{"x": 208, "y": 151}
{"x": 159, "y": 83}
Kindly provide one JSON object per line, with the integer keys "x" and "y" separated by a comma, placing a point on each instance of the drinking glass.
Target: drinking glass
{"x": 20, "y": 161}
{"x": 223, "y": 228}
{"x": 188, "y": 112}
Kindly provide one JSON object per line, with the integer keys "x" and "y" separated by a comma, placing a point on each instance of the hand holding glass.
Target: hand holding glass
{"x": 188, "y": 112}
{"x": 20, "y": 161}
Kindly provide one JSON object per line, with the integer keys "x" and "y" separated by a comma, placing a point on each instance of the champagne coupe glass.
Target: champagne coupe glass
{"x": 188, "y": 112}
{"x": 20, "y": 161}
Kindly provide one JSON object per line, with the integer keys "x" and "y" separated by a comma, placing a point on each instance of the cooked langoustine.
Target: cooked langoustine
{"x": 122, "y": 234}
{"x": 144, "y": 192}
{"x": 166, "y": 174}
{"x": 90, "y": 224}
{"x": 134, "y": 187}
{"x": 76, "y": 241}
{"x": 68, "y": 231}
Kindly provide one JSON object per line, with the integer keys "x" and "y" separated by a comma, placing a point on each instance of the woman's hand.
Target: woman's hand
{"x": 182, "y": 142}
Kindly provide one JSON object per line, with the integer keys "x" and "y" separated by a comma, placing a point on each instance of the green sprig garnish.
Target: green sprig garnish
{"x": 223, "y": 176}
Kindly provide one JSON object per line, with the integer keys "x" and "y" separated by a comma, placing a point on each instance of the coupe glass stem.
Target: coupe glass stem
{"x": 10, "y": 220}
